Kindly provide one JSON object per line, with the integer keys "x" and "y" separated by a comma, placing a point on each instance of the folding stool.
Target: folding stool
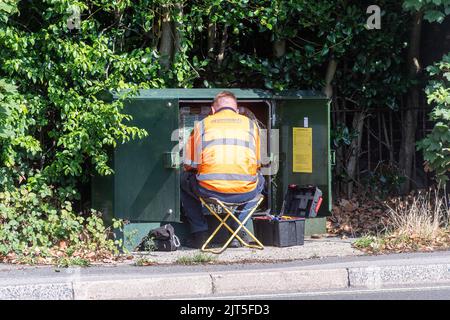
{"x": 214, "y": 205}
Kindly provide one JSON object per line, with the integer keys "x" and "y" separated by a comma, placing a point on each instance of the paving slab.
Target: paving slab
{"x": 312, "y": 248}
{"x": 55, "y": 291}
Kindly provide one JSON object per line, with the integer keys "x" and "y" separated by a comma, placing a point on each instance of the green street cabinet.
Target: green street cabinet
{"x": 144, "y": 190}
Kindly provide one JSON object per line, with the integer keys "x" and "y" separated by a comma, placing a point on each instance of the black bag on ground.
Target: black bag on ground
{"x": 160, "y": 239}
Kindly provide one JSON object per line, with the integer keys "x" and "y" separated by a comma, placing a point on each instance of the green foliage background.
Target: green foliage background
{"x": 436, "y": 145}
{"x": 61, "y": 73}
{"x": 56, "y": 131}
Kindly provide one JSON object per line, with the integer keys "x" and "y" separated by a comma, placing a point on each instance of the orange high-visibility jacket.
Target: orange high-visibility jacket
{"x": 224, "y": 148}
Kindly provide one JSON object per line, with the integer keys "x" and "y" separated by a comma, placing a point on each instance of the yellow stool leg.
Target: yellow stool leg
{"x": 241, "y": 225}
{"x": 222, "y": 223}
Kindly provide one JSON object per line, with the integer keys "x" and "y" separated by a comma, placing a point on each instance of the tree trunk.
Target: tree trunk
{"x": 355, "y": 147}
{"x": 211, "y": 39}
{"x": 279, "y": 48}
{"x": 328, "y": 90}
{"x": 389, "y": 143}
{"x": 178, "y": 28}
{"x": 223, "y": 46}
{"x": 408, "y": 146}
{"x": 338, "y": 168}
{"x": 166, "y": 41}
{"x": 331, "y": 70}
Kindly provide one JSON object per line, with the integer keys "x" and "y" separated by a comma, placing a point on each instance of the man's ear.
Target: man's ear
{"x": 213, "y": 110}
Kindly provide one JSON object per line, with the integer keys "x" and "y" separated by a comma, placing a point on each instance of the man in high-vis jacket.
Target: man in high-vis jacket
{"x": 221, "y": 160}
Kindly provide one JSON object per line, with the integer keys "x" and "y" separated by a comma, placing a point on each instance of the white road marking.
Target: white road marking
{"x": 323, "y": 293}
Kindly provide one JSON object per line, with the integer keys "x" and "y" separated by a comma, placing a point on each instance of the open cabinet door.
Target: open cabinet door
{"x": 305, "y": 146}
{"x": 147, "y": 186}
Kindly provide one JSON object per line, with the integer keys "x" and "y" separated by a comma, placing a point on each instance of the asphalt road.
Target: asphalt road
{"x": 430, "y": 292}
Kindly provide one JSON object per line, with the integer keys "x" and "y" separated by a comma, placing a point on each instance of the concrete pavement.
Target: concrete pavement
{"x": 165, "y": 282}
{"x": 312, "y": 248}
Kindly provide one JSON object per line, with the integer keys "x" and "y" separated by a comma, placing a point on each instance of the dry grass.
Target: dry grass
{"x": 198, "y": 258}
{"x": 424, "y": 215}
{"x": 142, "y": 262}
{"x": 419, "y": 222}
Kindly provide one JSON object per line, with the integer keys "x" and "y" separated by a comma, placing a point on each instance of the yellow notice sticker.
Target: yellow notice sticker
{"x": 302, "y": 150}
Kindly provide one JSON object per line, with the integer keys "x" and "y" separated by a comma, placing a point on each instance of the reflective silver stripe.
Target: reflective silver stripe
{"x": 252, "y": 137}
{"x": 202, "y": 129}
{"x": 226, "y": 141}
{"x": 258, "y": 135}
{"x": 226, "y": 176}
{"x": 199, "y": 147}
{"x": 251, "y": 145}
{"x": 250, "y": 129}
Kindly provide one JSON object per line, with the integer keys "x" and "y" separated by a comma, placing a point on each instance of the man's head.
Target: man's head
{"x": 224, "y": 99}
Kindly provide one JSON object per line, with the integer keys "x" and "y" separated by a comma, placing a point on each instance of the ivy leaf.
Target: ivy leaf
{"x": 434, "y": 16}
{"x": 447, "y": 75}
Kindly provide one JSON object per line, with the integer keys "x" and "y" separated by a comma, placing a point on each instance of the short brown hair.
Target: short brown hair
{"x": 224, "y": 93}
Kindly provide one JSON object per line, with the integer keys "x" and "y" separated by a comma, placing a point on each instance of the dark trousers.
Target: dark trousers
{"x": 192, "y": 207}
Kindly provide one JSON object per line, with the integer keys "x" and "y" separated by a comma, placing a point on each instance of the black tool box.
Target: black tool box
{"x": 288, "y": 228}
{"x": 278, "y": 232}
{"x": 302, "y": 201}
